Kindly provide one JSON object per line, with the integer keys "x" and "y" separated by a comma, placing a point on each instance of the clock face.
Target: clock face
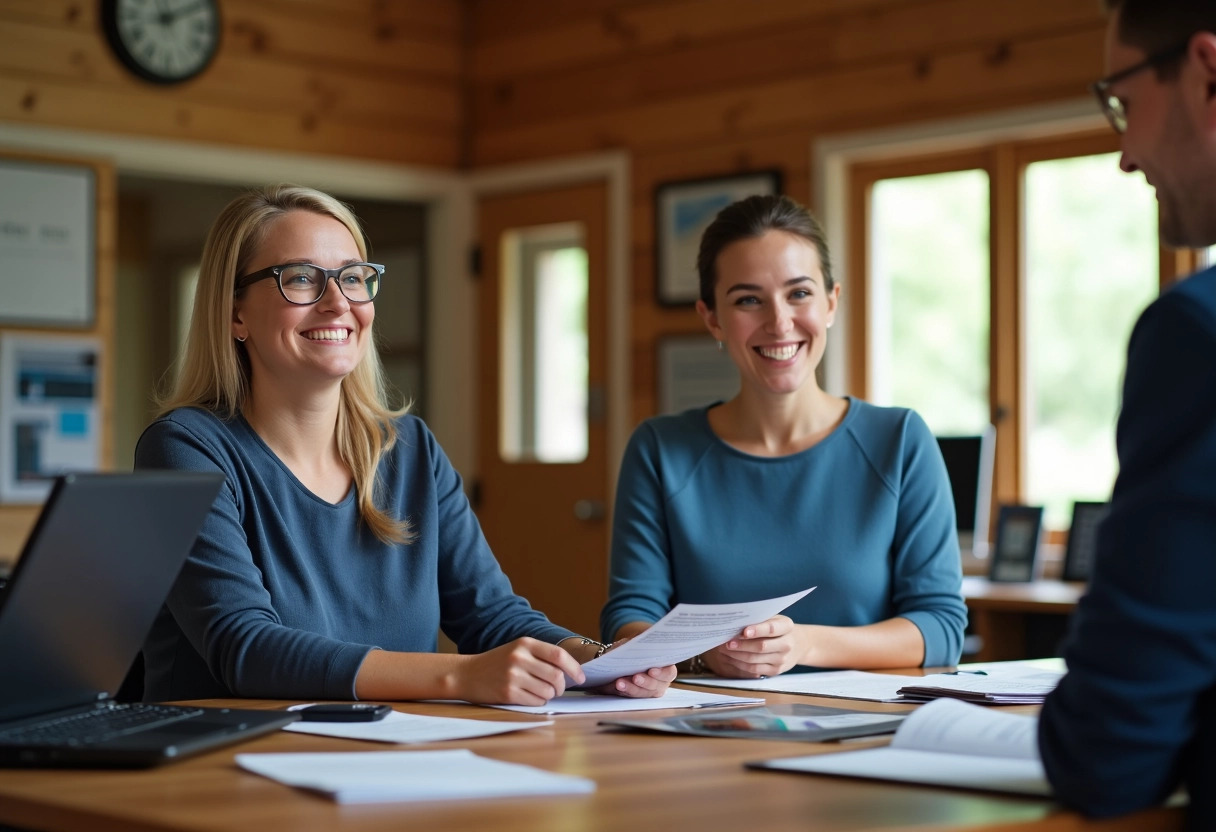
{"x": 163, "y": 41}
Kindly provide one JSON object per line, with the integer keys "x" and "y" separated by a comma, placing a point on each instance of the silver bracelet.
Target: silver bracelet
{"x": 600, "y": 647}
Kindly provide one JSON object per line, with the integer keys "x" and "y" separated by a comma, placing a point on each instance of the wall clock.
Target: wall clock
{"x": 163, "y": 41}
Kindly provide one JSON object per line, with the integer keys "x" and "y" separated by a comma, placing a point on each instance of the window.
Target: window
{"x": 543, "y": 351}
{"x": 1000, "y": 284}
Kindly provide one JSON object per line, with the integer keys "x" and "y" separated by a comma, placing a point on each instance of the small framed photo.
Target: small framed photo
{"x": 683, "y": 210}
{"x": 1015, "y": 555}
{"x": 693, "y": 372}
{"x": 1083, "y": 539}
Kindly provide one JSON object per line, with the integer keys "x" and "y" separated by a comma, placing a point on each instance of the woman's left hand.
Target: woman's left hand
{"x": 649, "y": 685}
{"x": 765, "y": 649}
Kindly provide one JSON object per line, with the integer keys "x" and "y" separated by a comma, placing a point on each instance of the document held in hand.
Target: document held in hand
{"x": 944, "y": 743}
{"x": 684, "y": 632}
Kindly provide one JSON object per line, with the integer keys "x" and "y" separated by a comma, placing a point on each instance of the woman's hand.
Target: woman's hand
{"x": 765, "y": 649}
{"x": 649, "y": 685}
{"x": 522, "y": 672}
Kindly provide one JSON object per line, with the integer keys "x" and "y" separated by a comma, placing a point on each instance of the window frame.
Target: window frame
{"x": 1005, "y": 162}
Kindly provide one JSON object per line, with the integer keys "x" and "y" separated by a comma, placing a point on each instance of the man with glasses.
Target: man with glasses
{"x": 1135, "y": 717}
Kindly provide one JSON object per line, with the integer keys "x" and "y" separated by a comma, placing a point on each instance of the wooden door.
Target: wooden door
{"x": 542, "y": 495}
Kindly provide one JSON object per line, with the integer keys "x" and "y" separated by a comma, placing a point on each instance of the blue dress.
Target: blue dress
{"x": 866, "y": 515}
{"x": 284, "y": 594}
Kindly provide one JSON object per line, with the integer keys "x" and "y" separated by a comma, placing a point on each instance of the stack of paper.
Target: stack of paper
{"x": 996, "y": 689}
{"x": 403, "y": 727}
{"x": 839, "y": 684}
{"x": 383, "y": 776}
{"x": 578, "y": 702}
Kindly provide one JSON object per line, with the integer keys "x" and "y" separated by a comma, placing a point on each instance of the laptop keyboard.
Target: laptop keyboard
{"x": 91, "y": 727}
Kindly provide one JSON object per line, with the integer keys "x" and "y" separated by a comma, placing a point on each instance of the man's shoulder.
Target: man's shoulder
{"x": 1194, "y": 296}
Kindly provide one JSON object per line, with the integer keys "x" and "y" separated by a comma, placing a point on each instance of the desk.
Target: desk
{"x": 999, "y": 612}
{"x": 645, "y": 782}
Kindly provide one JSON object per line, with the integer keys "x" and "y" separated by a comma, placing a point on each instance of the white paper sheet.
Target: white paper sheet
{"x": 684, "y": 632}
{"x": 403, "y": 727}
{"x": 578, "y": 702}
{"x": 840, "y": 684}
{"x": 389, "y": 776}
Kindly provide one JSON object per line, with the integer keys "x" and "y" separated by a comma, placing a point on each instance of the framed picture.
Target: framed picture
{"x": 1083, "y": 539}
{"x": 50, "y": 419}
{"x": 47, "y": 247}
{"x": 682, "y": 212}
{"x": 693, "y": 372}
{"x": 1015, "y": 555}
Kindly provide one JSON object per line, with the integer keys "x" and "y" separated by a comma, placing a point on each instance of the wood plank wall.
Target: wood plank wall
{"x": 696, "y": 88}
{"x": 378, "y": 79}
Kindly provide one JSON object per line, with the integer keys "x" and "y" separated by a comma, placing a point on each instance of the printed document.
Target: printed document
{"x": 944, "y": 743}
{"x": 841, "y": 684}
{"x": 403, "y": 727}
{"x": 578, "y": 702}
{"x": 684, "y": 632}
{"x": 386, "y": 776}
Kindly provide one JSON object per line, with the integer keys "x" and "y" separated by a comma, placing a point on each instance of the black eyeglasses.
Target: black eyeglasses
{"x": 304, "y": 283}
{"x": 1111, "y": 104}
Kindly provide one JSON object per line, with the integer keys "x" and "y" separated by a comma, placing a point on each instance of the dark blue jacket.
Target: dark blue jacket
{"x": 1136, "y": 715}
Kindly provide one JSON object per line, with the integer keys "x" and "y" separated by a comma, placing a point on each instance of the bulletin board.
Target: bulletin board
{"x": 47, "y": 249}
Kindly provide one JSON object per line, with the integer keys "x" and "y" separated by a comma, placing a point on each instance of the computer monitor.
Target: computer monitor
{"x": 969, "y": 466}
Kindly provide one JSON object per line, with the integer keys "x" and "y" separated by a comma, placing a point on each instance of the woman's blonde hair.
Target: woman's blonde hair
{"x": 214, "y": 372}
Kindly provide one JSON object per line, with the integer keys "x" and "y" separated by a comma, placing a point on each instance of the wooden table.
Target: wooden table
{"x": 645, "y": 782}
{"x": 1000, "y": 612}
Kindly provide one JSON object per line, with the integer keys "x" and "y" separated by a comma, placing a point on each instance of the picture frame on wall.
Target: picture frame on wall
{"x": 683, "y": 210}
{"x": 48, "y": 215}
{"x": 1083, "y": 539}
{"x": 1015, "y": 553}
{"x": 693, "y": 372}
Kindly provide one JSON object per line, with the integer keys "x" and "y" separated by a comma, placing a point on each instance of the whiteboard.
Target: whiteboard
{"x": 47, "y": 264}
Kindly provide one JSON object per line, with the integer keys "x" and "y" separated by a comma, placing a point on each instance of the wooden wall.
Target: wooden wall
{"x": 697, "y": 88}
{"x": 379, "y": 79}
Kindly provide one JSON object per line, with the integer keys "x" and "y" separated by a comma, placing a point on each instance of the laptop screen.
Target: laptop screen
{"x": 95, "y": 570}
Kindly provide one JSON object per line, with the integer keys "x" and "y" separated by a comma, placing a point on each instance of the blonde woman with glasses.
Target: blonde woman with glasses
{"x": 342, "y": 542}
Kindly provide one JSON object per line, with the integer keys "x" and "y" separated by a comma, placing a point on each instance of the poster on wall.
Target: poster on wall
{"x": 49, "y": 417}
{"x": 693, "y": 372}
{"x": 46, "y": 244}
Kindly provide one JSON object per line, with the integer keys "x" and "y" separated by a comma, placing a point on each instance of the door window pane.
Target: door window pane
{"x": 1091, "y": 267}
{"x": 544, "y": 361}
{"x": 929, "y": 265}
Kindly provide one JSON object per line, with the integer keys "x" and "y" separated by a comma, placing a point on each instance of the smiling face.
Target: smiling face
{"x": 1169, "y": 136}
{"x": 315, "y": 345}
{"x": 772, "y": 311}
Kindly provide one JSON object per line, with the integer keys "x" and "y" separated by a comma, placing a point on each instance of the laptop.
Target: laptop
{"x": 93, "y": 574}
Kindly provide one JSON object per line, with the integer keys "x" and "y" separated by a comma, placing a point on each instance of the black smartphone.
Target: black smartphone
{"x": 344, "y": 712}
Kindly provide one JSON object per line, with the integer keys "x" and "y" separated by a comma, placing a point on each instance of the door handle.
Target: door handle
{"x": 590, "y": 510}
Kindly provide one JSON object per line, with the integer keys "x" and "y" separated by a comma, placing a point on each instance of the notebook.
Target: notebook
{"x": 92, "y": 576}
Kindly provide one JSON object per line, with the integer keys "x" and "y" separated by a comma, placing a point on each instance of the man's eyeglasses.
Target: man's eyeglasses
{"x": 304, "y": 283}
{"x": 1111, "y": 104}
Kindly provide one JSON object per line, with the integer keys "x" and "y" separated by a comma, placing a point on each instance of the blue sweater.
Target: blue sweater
{"x": 1136, "y": 714}
{"x": 866, "y": 515}
{"x": 284, "y": 594}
